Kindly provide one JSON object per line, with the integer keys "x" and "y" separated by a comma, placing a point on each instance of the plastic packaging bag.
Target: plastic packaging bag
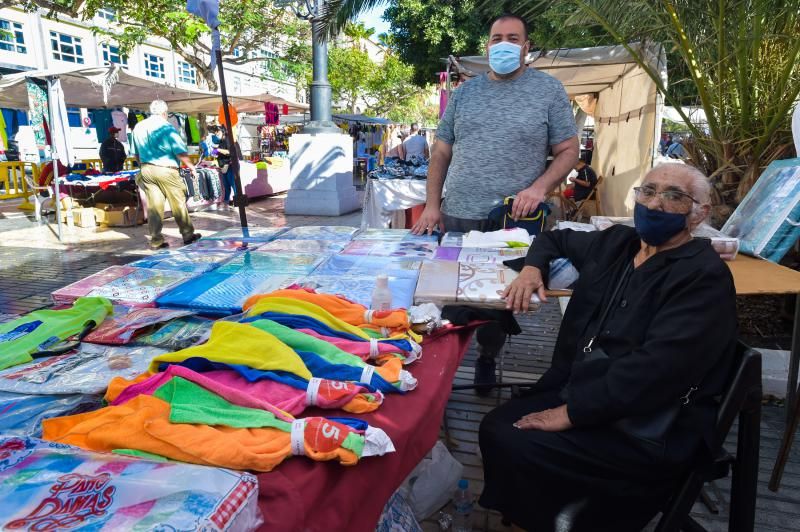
{"x": 432, "y": 483}
{"x": 397, "y": 516}
{"x": 22, "y": 415}
{"x": 562, "y": 274}
{"x": 49, "y": 486}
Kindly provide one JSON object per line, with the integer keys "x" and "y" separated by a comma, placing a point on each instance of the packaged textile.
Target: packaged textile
{"x": 22, "y": 414}
{"x": 185, "y": 261}
{"x": 418, "y": 250}
{"x": 320, "y": 232}
{"x": 186, "y": 422}
{"x": 248, "y": 234}
{"x": 88, "y": 369}
{"x": 41, "y": 330}
{"x": 326, "y": 247}
{"x": 448, "y": 282}
{"x": 124, "y": 285}
{"x": 367, "y": 266}
{"x": 278, "y": 263}
{"x": 395, "y": 235}
{"x": 480, "y": 255}
{"x": 504, "y": 238}
{"x": 724, "y": 245}
{"x": 49, "y": 486}
{"x": 178, "y": 334}
{"x": 767, "y": 221}
{"x": 397, "y": 516}
{"x": 120, "y": 330}
{"x": 452, "y": 239}
{"x": 359, "y": 289}
{"x": 210, "y": 244}
{"x": 220, "y": 294}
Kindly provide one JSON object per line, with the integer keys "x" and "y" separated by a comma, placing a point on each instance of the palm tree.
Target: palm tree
{"x": 742, "y": 59}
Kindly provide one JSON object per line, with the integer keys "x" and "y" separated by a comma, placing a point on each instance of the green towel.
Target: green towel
{"x": 193, "y": 404}
{"x": 140, "y": 454}
{"x": 194, "y": 129}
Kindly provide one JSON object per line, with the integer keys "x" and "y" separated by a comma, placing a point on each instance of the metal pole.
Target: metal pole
{"x": 321, "y": 117}
{"x": 54, "y": 158}
{"x": 239, "y": 198}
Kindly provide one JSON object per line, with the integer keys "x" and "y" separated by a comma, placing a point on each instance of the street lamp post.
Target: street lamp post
{"x": 321, "y": 118}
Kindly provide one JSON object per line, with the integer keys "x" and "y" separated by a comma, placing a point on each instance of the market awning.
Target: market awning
{"x": 364, "y": 119}
{"x": 111, "y": 86}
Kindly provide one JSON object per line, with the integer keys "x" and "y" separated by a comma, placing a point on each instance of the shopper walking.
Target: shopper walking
{"x": 493, "y": 142}
{"x": 160, "y": 150}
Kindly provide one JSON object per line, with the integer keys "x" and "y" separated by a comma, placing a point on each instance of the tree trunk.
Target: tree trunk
{"x": 201, "y": 124}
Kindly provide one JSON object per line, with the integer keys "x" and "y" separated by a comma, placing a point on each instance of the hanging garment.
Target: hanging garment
{"x": 185, "y": 422}
{"x": 132, "y": 120}
{"x": 3, "y": 132}
{"x": 282, "y": 399}
{"x": 240, "y": 344}
{"x": 42, "y": 329}
{"x": 120, "y": 121}
{"x": 350, "y": 367}
{"x": 233, "y": 113}
{"x": 38, "y": 110}
{"x": 101, "y": 120}
{"x": 194, "y": 129}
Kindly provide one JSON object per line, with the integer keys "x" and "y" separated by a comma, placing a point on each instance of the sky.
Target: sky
{"x": 372, "y": 19}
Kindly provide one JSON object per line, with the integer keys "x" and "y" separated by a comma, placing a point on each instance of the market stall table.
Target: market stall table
{"x": 314, "y": 496}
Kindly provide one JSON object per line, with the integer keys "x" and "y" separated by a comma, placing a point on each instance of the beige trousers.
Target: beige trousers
{"x": 159, "y": 183}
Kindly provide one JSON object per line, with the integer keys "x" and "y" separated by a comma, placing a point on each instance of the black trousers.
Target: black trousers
{"x": 591, "y": 479}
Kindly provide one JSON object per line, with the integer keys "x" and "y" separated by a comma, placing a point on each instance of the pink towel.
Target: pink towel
{"x": 364, "y": 349}
{"x": 265, "y": 394}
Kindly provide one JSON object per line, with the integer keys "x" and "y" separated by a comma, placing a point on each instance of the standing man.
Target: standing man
{"x": 112, "y": 152}
{"x": 415, "y": 144}
{"x": 492, "y": 142}
{"x": 161, "y": 150}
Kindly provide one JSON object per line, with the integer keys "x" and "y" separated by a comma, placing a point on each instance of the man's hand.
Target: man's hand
{"x": 193, "y": 170}
{"x": 526, "y": 201}
{"x": 551, "y": 420}
{"x": 431, "y": 217}
{"x": 518, "y": 293}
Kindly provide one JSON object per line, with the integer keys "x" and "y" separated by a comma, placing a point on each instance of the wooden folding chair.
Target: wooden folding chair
{"x": 594, "y": 198}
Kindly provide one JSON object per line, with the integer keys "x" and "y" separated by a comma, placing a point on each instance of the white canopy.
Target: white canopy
{"x": 364, "y": 119}
{"x": 607, "y": 84}
{"x": 111, "y": 86}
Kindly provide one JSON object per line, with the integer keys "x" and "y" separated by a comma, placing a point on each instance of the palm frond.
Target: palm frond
{"x": 336, "y": 13}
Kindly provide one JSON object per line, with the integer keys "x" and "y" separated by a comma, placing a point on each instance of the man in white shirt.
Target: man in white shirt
{"x": 415, "y": 144}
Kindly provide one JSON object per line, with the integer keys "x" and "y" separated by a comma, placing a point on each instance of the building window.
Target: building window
{"x": 66, "y": 48}
{"x": 111, "y": 55}
{"x": 237, "y": 85}
{"x": 11, "y": 37}
{"x": 237, "y": 52}
{"x": 187, "y": 73}
{"x": 107, "y": 14}
{"x": 154, "y": 66}
{"x": 74, "y": 116}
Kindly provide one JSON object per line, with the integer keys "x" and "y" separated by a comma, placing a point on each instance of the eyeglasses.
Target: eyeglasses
{"x": 668, "y": 197}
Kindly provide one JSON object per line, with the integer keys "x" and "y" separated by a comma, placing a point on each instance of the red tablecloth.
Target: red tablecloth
{"x": 312, "y": 496}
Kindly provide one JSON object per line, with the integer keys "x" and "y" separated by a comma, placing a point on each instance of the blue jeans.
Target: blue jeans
{"x": 229, "y": 182}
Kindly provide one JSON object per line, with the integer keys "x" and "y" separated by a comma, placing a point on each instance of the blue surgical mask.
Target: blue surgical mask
{"x": 504, "y": 57}
{"x": 657, "y": 227}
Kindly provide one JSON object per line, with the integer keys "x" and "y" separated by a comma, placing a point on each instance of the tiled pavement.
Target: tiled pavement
{"x": 33, "y": 263}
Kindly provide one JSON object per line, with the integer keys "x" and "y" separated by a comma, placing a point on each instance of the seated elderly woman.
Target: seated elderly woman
{"x": 645, "y": 345}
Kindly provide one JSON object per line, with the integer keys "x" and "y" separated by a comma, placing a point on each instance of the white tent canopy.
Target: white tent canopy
{"x": 611, "y": 87}
{"x": 98, "y": 87}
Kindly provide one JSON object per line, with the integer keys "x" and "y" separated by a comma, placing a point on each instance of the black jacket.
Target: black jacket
{"x": 112, "y": 153}
{"x": 673, "y": 326}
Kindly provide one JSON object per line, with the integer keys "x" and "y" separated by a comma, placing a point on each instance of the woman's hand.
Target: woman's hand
{"x": 551, "y": 420}
{"x": 518, "y": 293}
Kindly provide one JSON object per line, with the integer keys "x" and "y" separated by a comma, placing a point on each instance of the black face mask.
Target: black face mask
{"x": 657, "y": 227}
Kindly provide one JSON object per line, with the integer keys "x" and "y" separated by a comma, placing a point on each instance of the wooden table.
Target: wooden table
{"x": 760, "y": 277}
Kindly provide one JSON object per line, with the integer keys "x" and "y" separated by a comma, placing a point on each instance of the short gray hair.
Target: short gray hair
{"x": 158, "y": 107}
{"x": 699, "y": 186}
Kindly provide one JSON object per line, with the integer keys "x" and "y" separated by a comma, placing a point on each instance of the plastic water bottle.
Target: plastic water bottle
{"x": 463, "y": 503}
{"x": 381, "y": 295}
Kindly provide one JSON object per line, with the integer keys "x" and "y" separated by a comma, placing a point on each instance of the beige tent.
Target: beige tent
{"x": 610, "y": 86}
{"x": 111, "y": 86}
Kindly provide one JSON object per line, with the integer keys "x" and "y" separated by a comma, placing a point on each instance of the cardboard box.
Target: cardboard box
{"x": 81, "y": 216}
{"x": 118, "y": 215}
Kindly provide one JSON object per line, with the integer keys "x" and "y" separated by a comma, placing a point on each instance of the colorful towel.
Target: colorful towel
{"x": 367, "y": 350}
{"x": 198, "y": 261}
{"x": 42, "y": 329}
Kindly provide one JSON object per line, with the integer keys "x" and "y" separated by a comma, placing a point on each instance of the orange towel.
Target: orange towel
{"x": 143, "y": 424}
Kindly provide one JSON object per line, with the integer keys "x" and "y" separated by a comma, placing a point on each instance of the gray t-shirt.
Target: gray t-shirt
{"x": 501, "y": 132}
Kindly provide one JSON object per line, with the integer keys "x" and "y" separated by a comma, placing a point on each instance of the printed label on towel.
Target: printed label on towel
{"x": 74, "y": 499}
{"x": 324, "y": 435}
{"x": 312, "y": 392}
{"x": 374, "y": 351}
{"x": 415, "y": 347}
{"x": 298, "y": 437}
{"x": 366, "y": 374}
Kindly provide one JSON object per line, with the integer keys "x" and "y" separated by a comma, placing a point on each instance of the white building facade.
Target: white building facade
{"x": 30, "y": 41}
